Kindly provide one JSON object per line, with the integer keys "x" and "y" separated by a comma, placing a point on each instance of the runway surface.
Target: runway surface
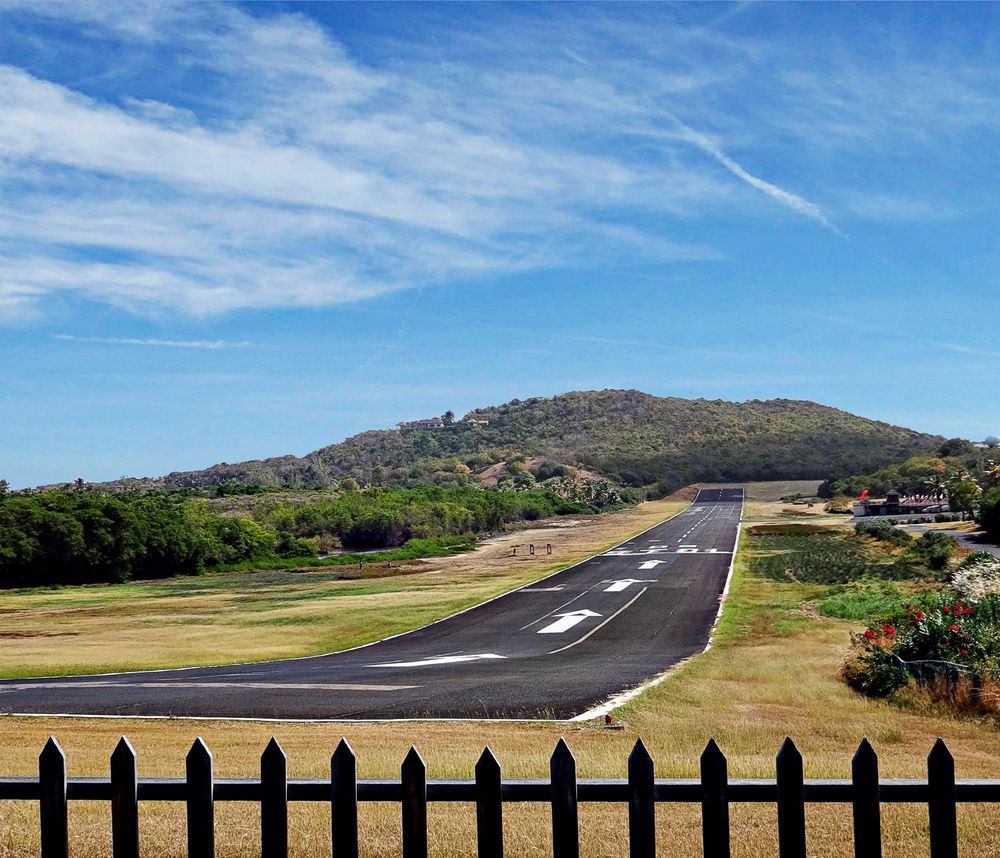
{"x": 553, "y": 649}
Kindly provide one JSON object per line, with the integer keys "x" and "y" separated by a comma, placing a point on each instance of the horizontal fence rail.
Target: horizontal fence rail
{"x": 714, "y": 791}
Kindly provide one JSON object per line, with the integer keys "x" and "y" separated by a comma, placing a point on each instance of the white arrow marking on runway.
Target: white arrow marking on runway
{"x": 567, "y": 621}
{"x": 625, "y": 583}
{"x": 651, "y": 564}
{"x": 442, "y": 659}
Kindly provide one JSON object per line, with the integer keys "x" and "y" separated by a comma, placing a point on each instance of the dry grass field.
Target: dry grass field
{"x": 772, "y": 672}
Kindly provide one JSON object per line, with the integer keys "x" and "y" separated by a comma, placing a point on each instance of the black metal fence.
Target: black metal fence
{"x": 562, "y": 792}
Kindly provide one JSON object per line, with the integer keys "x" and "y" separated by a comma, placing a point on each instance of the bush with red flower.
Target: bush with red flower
{"x": 940, "y": 628}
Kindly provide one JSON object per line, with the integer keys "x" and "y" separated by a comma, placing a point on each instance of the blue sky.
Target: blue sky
{"x": 229, "y": 232}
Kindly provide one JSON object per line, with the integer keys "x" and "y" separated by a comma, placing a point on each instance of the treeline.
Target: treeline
{"x": 84, "y": 537}
{"x": 391, "y": 517}
{"x": 918, "y": 475}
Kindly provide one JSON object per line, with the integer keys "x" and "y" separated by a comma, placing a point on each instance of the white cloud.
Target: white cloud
{"x": 970, "y": 350}
{"x": 212, "y": 345}
{"x": 780, "y": 195}
{"x": 270, "y": 168}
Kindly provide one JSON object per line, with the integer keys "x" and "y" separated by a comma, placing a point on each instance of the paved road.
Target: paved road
{"x": 972, "y": 541}
{"x": 553, "y": 649}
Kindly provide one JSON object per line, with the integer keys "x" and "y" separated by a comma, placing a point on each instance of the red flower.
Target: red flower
{"x": 869, "y": 634}
{"x": 889, "y": 630}
{"x": 954, "y": 628}
{"x": 919, "y": 615}
{"x": 965, "y": 652}
{"x": 947, "y": 609}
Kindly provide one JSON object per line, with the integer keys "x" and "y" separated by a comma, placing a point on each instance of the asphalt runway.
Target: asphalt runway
{"x": 553, "y": 649}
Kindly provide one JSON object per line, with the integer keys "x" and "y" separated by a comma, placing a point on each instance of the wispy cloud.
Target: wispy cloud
{"x": 786, "y": 198}
{"x": 269, "y": 167}
{"x": 970, "y": 350}
{"x": 141, "y": 341}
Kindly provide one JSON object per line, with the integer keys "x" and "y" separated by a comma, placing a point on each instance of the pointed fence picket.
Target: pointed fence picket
{"x": 563, "y": 792}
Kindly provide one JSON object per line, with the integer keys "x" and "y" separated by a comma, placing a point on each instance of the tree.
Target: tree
{"x": 4, "y": 487}
{"x": 448, "y": 417}
{"x": 989, "y": 512}
{"x": 991, "y": 441}
{"x": 937, "y": 485}
{"x": 963, "y": 493}
{"x": 956, "y": 447}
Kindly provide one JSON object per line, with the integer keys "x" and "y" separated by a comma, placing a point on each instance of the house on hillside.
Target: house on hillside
{"x": 476, "y": 421}
{"x": 429, "y": 423}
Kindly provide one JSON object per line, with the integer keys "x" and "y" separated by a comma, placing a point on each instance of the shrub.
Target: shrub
{"x": 934, "y": 549}
{"x": 840, "y": 505}
{"x": 873, "y": 669}
{"x": 978, "y": 575}
{"x": 989, "y": 512}
{"x": 880, "y": 528}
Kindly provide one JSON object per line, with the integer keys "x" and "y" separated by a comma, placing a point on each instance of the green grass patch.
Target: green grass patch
{"x": 862, "y": 600}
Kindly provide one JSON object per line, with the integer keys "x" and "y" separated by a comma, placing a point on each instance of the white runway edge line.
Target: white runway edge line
{"x": 324, "y": 655}
{"x": 621, "y": 699}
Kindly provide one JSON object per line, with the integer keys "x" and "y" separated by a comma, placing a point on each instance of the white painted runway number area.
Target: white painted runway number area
{"x": 553, "y": 649}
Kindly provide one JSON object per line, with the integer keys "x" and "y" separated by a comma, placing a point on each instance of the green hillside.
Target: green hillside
{"x": 627, "y": 436}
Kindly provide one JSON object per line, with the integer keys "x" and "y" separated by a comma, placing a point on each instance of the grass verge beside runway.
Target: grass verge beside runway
{"x": 255, "y": 616}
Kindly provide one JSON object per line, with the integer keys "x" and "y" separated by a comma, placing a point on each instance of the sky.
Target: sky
{"x": 235, "y": 231}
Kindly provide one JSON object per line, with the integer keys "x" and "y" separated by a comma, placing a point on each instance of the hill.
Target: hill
{"x": 629, "y": 437}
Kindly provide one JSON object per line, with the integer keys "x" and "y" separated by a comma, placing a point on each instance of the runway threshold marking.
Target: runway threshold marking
{"x": 441, "y": 659}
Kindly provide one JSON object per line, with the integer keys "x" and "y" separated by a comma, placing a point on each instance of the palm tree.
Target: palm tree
{"x": 937, "y": 484}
